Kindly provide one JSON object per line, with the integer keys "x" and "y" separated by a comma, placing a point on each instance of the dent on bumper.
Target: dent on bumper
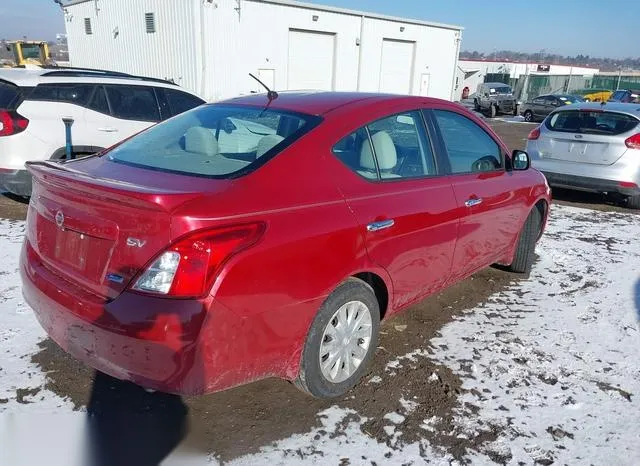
{"x": 187, "y": 347}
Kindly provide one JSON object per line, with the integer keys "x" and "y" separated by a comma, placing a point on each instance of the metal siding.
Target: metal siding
{"x": 120, "y": 42}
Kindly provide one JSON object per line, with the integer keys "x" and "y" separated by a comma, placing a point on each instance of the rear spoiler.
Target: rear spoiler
{"x": 62, "y": 177}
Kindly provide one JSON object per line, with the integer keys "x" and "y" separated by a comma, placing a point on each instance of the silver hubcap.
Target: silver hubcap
{"x": 345, "y": 341}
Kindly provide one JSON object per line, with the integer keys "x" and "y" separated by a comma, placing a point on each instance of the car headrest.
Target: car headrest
{"x": 385, "y": 152}
{"x": 267, "y": 143}
{"x": 201, "y": 141}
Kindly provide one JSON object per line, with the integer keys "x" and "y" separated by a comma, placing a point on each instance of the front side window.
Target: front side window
{"x": 390, "y": 148}
{"x": 69, "y": 93}
{"x": 133, "y": 103}
{"x": 214, "y": 140}
{"x": 469, "y": 147}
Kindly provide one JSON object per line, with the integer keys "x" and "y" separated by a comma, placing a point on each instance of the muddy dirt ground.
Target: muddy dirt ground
{"x": 239, "y": 421}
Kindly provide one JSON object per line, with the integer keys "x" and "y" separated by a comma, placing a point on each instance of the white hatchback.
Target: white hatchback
{"x": 106, "y": 107}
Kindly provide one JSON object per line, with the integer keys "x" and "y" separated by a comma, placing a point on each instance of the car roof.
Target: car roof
{"x": 629, "y": 109}
{"x": 30, "y": 77}
{"x": 321, "y": 102}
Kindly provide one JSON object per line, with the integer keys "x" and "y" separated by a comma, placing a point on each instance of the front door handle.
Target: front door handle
{"x": 108, "y": 130}
{"x": 381, "y": 225}
{"x": 473, "y": 201}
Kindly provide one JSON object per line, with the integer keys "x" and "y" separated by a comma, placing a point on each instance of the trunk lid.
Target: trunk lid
{"x": 97, "y": 232}
{"x": 586, "y": 136}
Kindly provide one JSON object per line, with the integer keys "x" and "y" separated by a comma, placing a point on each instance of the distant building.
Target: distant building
{"x": 210, "y": 47}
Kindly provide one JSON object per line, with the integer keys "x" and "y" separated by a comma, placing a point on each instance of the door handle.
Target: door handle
{"x": 472, "y": 202}
{"x": 381, "y": 225}
{"x": 108, "y": 130}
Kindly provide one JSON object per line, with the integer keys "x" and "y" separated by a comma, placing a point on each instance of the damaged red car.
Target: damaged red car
{"x": 268, "y": 236}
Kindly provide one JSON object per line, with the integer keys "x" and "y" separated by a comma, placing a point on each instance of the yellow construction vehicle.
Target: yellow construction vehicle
{"x": 29, "y": 52}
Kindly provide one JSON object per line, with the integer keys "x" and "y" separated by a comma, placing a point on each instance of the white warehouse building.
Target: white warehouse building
{"x": 211, "y": 46}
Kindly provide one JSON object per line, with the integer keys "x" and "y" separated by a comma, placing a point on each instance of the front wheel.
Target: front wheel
{"x": 493, "y": 111}
{"x": 476, "y": 105}
{"x": 523, "y": 258}
{"x": 341, "y": 341}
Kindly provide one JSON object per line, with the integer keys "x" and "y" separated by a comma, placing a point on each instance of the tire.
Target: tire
{"x": 493, "y": 111}
{"x": 633, "y": 202}
{"x": 528, "y": 116}
{"x": 353, "y": 295}
{"x": 515, "y": 110}
{"x": 523, "y": 258}
{"x": 476, "y": 106}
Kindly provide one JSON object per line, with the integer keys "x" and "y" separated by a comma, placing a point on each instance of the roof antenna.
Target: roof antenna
{"x": 271, "y": 95}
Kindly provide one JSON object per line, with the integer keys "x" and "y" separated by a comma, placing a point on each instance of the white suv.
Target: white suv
{"x": 105, "y": 107}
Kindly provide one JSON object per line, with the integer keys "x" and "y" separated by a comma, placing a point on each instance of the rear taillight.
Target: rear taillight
{"x": 534, "y": 134}
{"x": 633, "y": 142}
{"x": 189, "y": 266}
{"x": 12, "y": 122}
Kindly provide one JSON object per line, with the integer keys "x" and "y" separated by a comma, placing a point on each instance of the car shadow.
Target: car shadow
{"x": 587, "y": 198}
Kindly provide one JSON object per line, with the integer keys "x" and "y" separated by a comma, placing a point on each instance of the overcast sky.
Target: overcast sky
{"x": 568, "y": 27}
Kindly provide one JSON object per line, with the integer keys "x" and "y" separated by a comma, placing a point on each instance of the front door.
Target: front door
{"x": 485, "y": 193}
{"x": 408, "y": 212}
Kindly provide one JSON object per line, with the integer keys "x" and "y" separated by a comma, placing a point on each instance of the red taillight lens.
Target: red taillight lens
{"x": 633, "y": 142}
{"x": 12, "y": 123}
{"x": 534, "y": 134}
{"x": 188, "y": 267}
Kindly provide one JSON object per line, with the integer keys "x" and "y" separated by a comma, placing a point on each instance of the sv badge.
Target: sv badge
{"x": 135, "y": 242}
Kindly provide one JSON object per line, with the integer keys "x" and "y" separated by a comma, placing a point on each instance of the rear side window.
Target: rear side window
{"x": 469, "y": 147}
{"x": 98, "y": 101}
{"x": 591, "y": 122}
{"x": 70, "y": 93}
{"x": 214, "y": 140}
{"x": 390, "y": 148}
{"x": 133, "y": 103}
{"x": 181, "y": 101}
{"x": 9, "y": 96}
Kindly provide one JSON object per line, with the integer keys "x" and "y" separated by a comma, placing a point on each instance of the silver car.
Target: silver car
{"x": 591, "y": 147}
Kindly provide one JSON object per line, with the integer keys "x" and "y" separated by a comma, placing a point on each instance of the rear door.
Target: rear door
{"x": 406, "y": 209}
{"x": 487, "y": 195}
{"x": 586, "y": 136}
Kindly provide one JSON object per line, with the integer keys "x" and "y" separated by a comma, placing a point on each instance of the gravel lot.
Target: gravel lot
{"x": 499, "y": 368}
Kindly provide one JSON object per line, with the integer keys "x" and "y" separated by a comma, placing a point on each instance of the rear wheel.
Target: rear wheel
{"x": 633, "y": 202}
{"x": 528, "y": 116}
{"x": 341, "y": 341}
{"x": 523, "y": 258}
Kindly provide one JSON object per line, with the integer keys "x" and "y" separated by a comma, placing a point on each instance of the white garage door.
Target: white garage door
{"x": 396, "y": 68}
{"x": 310, "y": 60}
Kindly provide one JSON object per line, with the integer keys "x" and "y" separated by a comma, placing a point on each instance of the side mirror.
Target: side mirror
{"x": 520, "y": 160}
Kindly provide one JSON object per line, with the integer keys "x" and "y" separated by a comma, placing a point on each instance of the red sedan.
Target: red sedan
{"x": 268, "y": 237}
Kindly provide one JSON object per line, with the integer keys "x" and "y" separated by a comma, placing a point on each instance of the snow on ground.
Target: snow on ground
{"x": 550, "y": 363}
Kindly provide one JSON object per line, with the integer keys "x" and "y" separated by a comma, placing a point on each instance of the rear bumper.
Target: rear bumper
{"x": 16, "y": 182}
{"x": 583, "y": 183}
{"x": 187, "y": 347}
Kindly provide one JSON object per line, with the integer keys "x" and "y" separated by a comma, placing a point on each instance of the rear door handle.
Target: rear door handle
{"x": 472, "y": 202}
{"x": 108, "y": 130}
{"x": 381, "y": 225}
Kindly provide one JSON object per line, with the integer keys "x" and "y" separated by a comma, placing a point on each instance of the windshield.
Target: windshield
{"x": 502, "y": 90}
{"x": 31, "y": 51}
{"x": 214, "y": 140}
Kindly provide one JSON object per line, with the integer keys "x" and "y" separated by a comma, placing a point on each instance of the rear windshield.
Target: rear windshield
{"x": 591, "y": 122}
{"x": 220, "y": 141}
{"x": 9, "y": 95}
